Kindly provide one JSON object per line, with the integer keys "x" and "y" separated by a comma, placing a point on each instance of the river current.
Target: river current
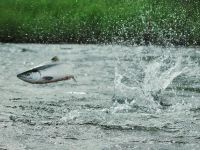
{"x": 125, "y": 97}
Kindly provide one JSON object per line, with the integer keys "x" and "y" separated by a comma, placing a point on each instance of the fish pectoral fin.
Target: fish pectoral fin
{"x": 47, "y": 78}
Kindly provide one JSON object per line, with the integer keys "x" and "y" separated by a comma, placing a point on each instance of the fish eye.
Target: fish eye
{"x": 27, "y": 74}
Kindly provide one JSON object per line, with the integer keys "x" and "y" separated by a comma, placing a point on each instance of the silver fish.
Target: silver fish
{"x": 47, "y": 73}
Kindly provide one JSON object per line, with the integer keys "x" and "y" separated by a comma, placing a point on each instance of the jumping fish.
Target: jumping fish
{"x": 47, "y": 73}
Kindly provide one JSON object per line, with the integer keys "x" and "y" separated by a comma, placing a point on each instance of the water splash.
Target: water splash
{"x": 142, "y": 78}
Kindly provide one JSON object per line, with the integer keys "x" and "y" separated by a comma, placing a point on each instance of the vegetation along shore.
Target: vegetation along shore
{"x": 101, "y": 21}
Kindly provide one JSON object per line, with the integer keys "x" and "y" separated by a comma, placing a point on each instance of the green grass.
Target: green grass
{"x": 101, "y": 21}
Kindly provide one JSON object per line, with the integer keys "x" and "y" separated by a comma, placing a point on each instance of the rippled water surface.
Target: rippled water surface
{"x": 124, "y": 98}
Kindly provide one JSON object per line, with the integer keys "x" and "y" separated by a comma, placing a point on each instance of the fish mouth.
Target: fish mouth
{"x": 31, "y": 77}
{"x": 19, "y": 76}
{"x": 22, "y": 77}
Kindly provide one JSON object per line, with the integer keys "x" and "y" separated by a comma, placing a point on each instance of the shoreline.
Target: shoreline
{"x": 106, "y": 44}
{"x": 92, "y": 22}
{"x": 126, "y": 43}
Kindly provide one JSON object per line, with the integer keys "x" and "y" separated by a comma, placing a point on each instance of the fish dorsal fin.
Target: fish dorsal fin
{"x": 54, "y": 59}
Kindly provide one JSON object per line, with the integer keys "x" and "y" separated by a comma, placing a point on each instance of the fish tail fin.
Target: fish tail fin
{"x": 74, "y": 79}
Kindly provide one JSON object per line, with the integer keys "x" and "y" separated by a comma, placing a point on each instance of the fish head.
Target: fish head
{"x": 31, "y": 76}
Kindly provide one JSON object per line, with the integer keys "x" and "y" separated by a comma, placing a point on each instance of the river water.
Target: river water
{"x": 126, "y": 97}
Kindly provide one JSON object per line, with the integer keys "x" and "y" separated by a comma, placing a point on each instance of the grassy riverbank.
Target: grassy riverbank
{"x": 101, "y": 21}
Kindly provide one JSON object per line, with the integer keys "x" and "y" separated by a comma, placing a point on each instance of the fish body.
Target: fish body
{"x": 47, "y": 73}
